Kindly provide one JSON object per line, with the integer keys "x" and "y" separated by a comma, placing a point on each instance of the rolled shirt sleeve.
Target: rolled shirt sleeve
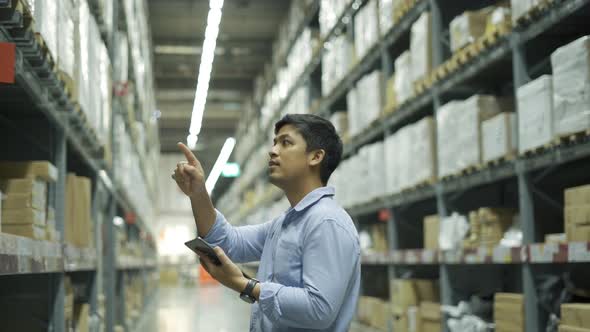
{"x": 329, "y": 258}
{"x": 242, "y": 244}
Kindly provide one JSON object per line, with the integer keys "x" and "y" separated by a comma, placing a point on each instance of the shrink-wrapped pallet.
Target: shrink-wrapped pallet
{"x": 421, "y": 47}
{"x": 403, "y": 77}
{"x": 499, "y": 136}
{"x": 467, "y": 27}
{"x": 366, "y": 32}
{"x": 535, "y": 113}
{"x": 423, "y": 151}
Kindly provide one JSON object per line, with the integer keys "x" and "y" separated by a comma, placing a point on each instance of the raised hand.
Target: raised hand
{"x": 189, "y": 175}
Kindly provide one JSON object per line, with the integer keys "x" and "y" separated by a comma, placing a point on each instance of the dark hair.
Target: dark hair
{"x": 318, "y": 133}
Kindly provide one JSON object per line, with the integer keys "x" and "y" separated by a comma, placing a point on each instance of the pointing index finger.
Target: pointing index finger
{"x": 190, "y": 157}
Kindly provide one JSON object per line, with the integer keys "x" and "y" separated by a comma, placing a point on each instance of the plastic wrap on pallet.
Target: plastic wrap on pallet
{"x": 354, "y": 106}
{"x": 571, "y": 87}
{"x": 82, "y": 55}
{"x": 499, "y": 136}
{"x": 423, "y": 151}
{"x": 121, "y": 60}
{"x": 402, "y": 165}
{"x": 66, "y": 55}
{"x": 376, "y": 166}
{"x": 107, "y": 13}
{"x": 421, "y": 47}
{"x": 95, "y": 45}
{"x": 366, "y": 32}
{"x": 340, "y": 122}
{"x": 330, "y": 11}
{"x": 46, "y": 22}
{"x": 385, "y": 15}
{"x": 105, "y": 94}
{"x": 336, "y": 62}
{"x": 365, "y": 102}
{"x": 499, "y": 17}
{"x": 467, "y": 27}
{"x": 404, "y": 89}
{"x": 458, "y": 126}
{"x": 535, "y": 113}
{"x": 390, "y": 158}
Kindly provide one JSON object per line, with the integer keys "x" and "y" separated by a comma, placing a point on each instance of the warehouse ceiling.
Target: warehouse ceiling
{"x": 248, "y": 29}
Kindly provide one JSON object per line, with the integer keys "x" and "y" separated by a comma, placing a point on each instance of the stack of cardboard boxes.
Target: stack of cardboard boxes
{"x": 379, "y": 237}
{"x": 429, "y": 317}
{"x": 488, "y": 225}
{"x": 575, "y": 317}
{"x": 431, "y": 230}
{"x": 78, "y": 226}
{"x": 24, "y": 209}
{"x": 406, "y": 296}
{"x": 509, "y": 312}
{"x": 374, "y": 312}
{"x": 577, "y": 214}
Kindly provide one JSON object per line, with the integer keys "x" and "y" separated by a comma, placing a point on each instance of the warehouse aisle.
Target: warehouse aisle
{"x": 208, "y": 308}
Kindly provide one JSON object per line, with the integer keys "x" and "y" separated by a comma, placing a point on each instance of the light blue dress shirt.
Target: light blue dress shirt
{"x": 309, "y": 265}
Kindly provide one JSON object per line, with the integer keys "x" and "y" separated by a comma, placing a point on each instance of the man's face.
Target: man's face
{"x": 288, "y": 157}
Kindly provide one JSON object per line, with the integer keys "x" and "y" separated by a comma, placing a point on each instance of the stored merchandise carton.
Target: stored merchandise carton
{"x": 380, "y": 315}
{"x": 567, "y": 328}
{"x": 366, "y": 32}
{"x": 430, "y": 326}
{"x": 46, "y": 23}
{"x": 36, "y": 189}
{"x": 385, "y": 15}
{"x": 422, "y": 143}
{"x": 577, "y": 214}
{"x": 27, "y": 230}
{"x": 509, "y": 326}
{"x": 81, "y": 316}
{"x": 467, "y": 27}
{"x": 410, "y": 292}
{"x": 577, "y": 195}
{"x": 21, "y": 201}
{"x": 78, "y": 230}
{"x": 578, "y": 233}
{"x": 431, "y": 230}
{"x": 26, "y": 216}
{"x": 378, "y": 236}
{"x": 400, "y": 321}
{"x": 28, "y": 169}
{"x": 340, "y": 122}
{"x": 576, "y": 314}
{"x": 499, "y": 137}
{"x": 404, "y": 89}
{"x": 390, "y": 96}
{"x": 421, "y": 47}
{"x": 535, "y": 113}
{"x": 520, "y": 7}
{"x": 555, "y": 238}
{"x": 571, "y": 87}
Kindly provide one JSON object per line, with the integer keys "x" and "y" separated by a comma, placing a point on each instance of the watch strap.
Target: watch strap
{"x": 250, "y": 287}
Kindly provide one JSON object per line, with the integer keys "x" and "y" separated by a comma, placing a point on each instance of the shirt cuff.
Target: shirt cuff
{"x": 269, "y": 300}
{"x": 216, "y": 233}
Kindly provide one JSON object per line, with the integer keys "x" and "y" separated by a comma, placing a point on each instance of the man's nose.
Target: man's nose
{"x": 273, "y": 151}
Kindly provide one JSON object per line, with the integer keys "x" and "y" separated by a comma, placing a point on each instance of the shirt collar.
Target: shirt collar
{"x": 313, "y": 197}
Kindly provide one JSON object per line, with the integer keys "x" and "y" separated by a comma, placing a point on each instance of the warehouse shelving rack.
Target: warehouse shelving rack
{"x": 36, "y": 108}
{"x": 530, "y": 180}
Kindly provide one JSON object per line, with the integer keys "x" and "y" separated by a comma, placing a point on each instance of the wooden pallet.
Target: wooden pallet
{"x": 535, "y": 12}
{"x": 46, "y": 52}
{"x": 571, "y": 138}
{"x": 538, "y": 149}
{"x": 464, "y": 172}
{"x": 422, "y": 85}
{"x": 422, "y": 184}
{"x": 69, "y": 86}
{"x": 402, "y": 9}
{"x": 498, "y": 161}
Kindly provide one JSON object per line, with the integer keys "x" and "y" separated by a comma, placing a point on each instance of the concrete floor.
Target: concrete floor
{"x": 201, "y": 308}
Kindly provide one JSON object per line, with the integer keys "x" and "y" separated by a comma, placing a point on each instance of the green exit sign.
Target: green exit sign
{"x": 231, "y": 170}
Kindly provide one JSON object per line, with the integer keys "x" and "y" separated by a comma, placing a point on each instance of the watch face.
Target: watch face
{"x": 247, "y": 298}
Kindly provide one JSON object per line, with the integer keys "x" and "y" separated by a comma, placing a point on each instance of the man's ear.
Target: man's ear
{"x": 316, "y": 157}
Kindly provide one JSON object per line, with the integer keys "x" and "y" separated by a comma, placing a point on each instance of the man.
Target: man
{"x": 309, "y": 256}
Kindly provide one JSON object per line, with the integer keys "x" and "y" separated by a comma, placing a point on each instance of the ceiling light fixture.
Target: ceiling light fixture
{"x": 222, "y": 159}
{"x": 211, "y": 32}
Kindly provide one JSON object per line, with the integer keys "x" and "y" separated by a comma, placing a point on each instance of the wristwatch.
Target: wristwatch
{"x": 246, "y": 295}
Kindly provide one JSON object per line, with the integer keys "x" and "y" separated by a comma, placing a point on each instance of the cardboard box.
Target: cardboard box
{"x": 78, "y": 226}
{"x": 571, "y": 86}
{"x": 578, "y": 233}
{"x": 431, "y": 230}
{"x": 535, "y": 113}
{"x": 404, "y": 88}
{"x": 567, "y": 328}
{"x": 555, "y": 238}
{"x": 509, "y": 326}
{"x": 406, "y": 293}
{"x": 390, "y": 96}
{"x": 421, "y": 47}
{"x": 499, "y": 137}
{"x": 379, "y": 317}
{"x": 430, "y": 326}
{"x": 577, "y": 214}
{"x": 577, "y": 195}
{"x": 422, "y": 165}
{"x": 467, "y": 27}
{"x": 22, "y": 201}
{"x": 26, "y": 216}
{"x": 400, "y": 321}
{"x": 81, "y": 316}
{"x": 27, "y": 230}
{"x": 576, "y": 314}
{"x": 29, "y": 169}
{"x": 26, "y": 186}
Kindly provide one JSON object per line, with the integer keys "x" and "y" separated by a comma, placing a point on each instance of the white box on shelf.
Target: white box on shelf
{"x": 571, "y": 87}
{"x": 390, "y": 150}
{"x": 404, "y": 89}
{"x": 535, "y": 113}
{"x": 520, "y": 7}
{"x": 499, "y": 136}
{"x": 421, "y": 47}
{"x": 66, "y": 56}
{"x": 423, "y": 151}
{"x": 366, "y": 32}
{"x": 376, "y": 167}
{"x": 385, "y": 15}
{"x": 46, "y": 20}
